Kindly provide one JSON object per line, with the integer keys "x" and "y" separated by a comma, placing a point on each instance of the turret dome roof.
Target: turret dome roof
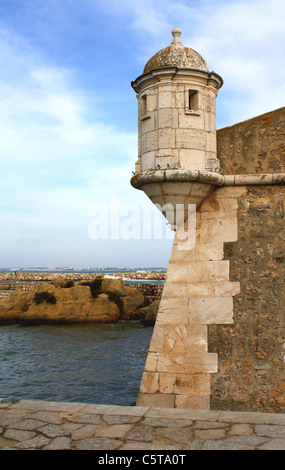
{"x": 176, "y": 55}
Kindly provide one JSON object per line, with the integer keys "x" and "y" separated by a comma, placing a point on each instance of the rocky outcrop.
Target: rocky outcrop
{"x": 147, "y": 315}
{"x": 62, "y": 302}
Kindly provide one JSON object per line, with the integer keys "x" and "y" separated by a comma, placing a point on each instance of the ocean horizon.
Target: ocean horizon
{"x": 83, "y": 270}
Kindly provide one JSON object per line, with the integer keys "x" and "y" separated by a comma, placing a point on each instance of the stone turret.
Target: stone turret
{"x": 213, "y": 337}
{"x": 178, "y": 169}
{"x": 177, "y": 127}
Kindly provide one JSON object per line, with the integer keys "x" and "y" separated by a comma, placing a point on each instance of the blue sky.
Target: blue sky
{"x": 68, "y": 114}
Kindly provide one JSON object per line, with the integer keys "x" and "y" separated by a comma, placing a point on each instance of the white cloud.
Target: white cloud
{"x": 242, "y": 40}
{"x": 54, "y": 154}
{"x": 43, "y": 117}
{"x": 59, "y": 155}
{"x": 148, "y": 16}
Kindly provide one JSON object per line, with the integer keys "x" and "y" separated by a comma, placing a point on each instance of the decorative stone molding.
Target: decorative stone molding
{"x": 201, "y": 176}
{"x": 246, "y": 180}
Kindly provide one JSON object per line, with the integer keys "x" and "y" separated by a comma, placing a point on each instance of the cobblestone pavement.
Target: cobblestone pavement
{"x": 44, "y": 425}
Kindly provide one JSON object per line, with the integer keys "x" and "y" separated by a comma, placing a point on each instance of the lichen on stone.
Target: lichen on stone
{"x": 176, "y": 56}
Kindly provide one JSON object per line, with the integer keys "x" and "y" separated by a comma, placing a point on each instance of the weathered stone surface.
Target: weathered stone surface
{"x": 115, "y": 431}
{"x": 59, "y": 443}
{"x": 209, "y": 425}
{"x": 27, "y": 424}
{"x": 210, "y": 434}
{"x": 173, "y": 434}
{"x": 168, "y": 422}
{"x": 253, "y": 146}
{"x": 19, "y": 435}
{"x": 141, "y": 433}
{"x": 268, "y": 430}
{"x": 109, "y": 419}
{"x": 176, "y": 55}
{"x": 149, "y": 313}
{"x": 147, "y": 446}
{"x": 98, "y": 444}
{"x": 138, "y": 428}
{"x": 251, "y": 351}
{"x": 84, "y": 432}
{"x": 274, "y": 444}
{"x": 241, "y": 430}
{"x": 225, "y": 445}
{"x": 36, "y": 442}
{"x": 254, "y": 441}
{"x": 86, "y": 418}
{"x": 156, "y": 399}
{"x": 48, "y": 417}
{"x": 53, "y": 430}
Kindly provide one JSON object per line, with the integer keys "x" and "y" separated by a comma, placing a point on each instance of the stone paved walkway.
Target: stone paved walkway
{"x": 44, "y": 425}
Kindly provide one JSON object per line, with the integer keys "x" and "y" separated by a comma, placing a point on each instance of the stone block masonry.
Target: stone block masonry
{"x": 197, "y": 293}
{"x": 219, "y": 340}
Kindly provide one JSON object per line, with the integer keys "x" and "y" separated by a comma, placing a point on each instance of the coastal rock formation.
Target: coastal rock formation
{"x": 62, "y": 302}
{"x": 148, "y": 314}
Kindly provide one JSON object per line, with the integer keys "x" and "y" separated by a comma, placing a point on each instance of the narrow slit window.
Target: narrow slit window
{"x": 143, "y": 105}
{"x": 193, "y": 103}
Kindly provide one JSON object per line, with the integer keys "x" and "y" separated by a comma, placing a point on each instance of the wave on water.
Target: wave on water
{"x": 135, "y": 280}
{"x": 110, "y": 276}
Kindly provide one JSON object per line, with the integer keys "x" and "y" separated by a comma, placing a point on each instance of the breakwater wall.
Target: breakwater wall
{"x": 8, "y": 286}
{"x": 81, "y": 276}
{"x": 150, "y": 291}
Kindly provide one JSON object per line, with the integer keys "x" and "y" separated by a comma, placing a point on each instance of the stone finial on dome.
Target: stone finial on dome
{"x": 176, "y": 55}
{"x": 176, "y": 33}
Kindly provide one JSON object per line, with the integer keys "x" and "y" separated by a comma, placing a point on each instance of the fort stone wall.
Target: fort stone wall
{"x": 219, "y": 338}
{"x": 251, "y": 351}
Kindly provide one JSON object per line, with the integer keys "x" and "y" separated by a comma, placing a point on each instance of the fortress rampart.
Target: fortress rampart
{"x": 251, "y": 367}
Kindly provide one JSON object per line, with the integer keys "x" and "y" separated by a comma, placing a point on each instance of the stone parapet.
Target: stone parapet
{"x": 254, "y": 146}
{"x": 45, "y": 425}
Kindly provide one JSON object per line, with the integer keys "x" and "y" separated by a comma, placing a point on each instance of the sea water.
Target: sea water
{"x": 98, "y": 363}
